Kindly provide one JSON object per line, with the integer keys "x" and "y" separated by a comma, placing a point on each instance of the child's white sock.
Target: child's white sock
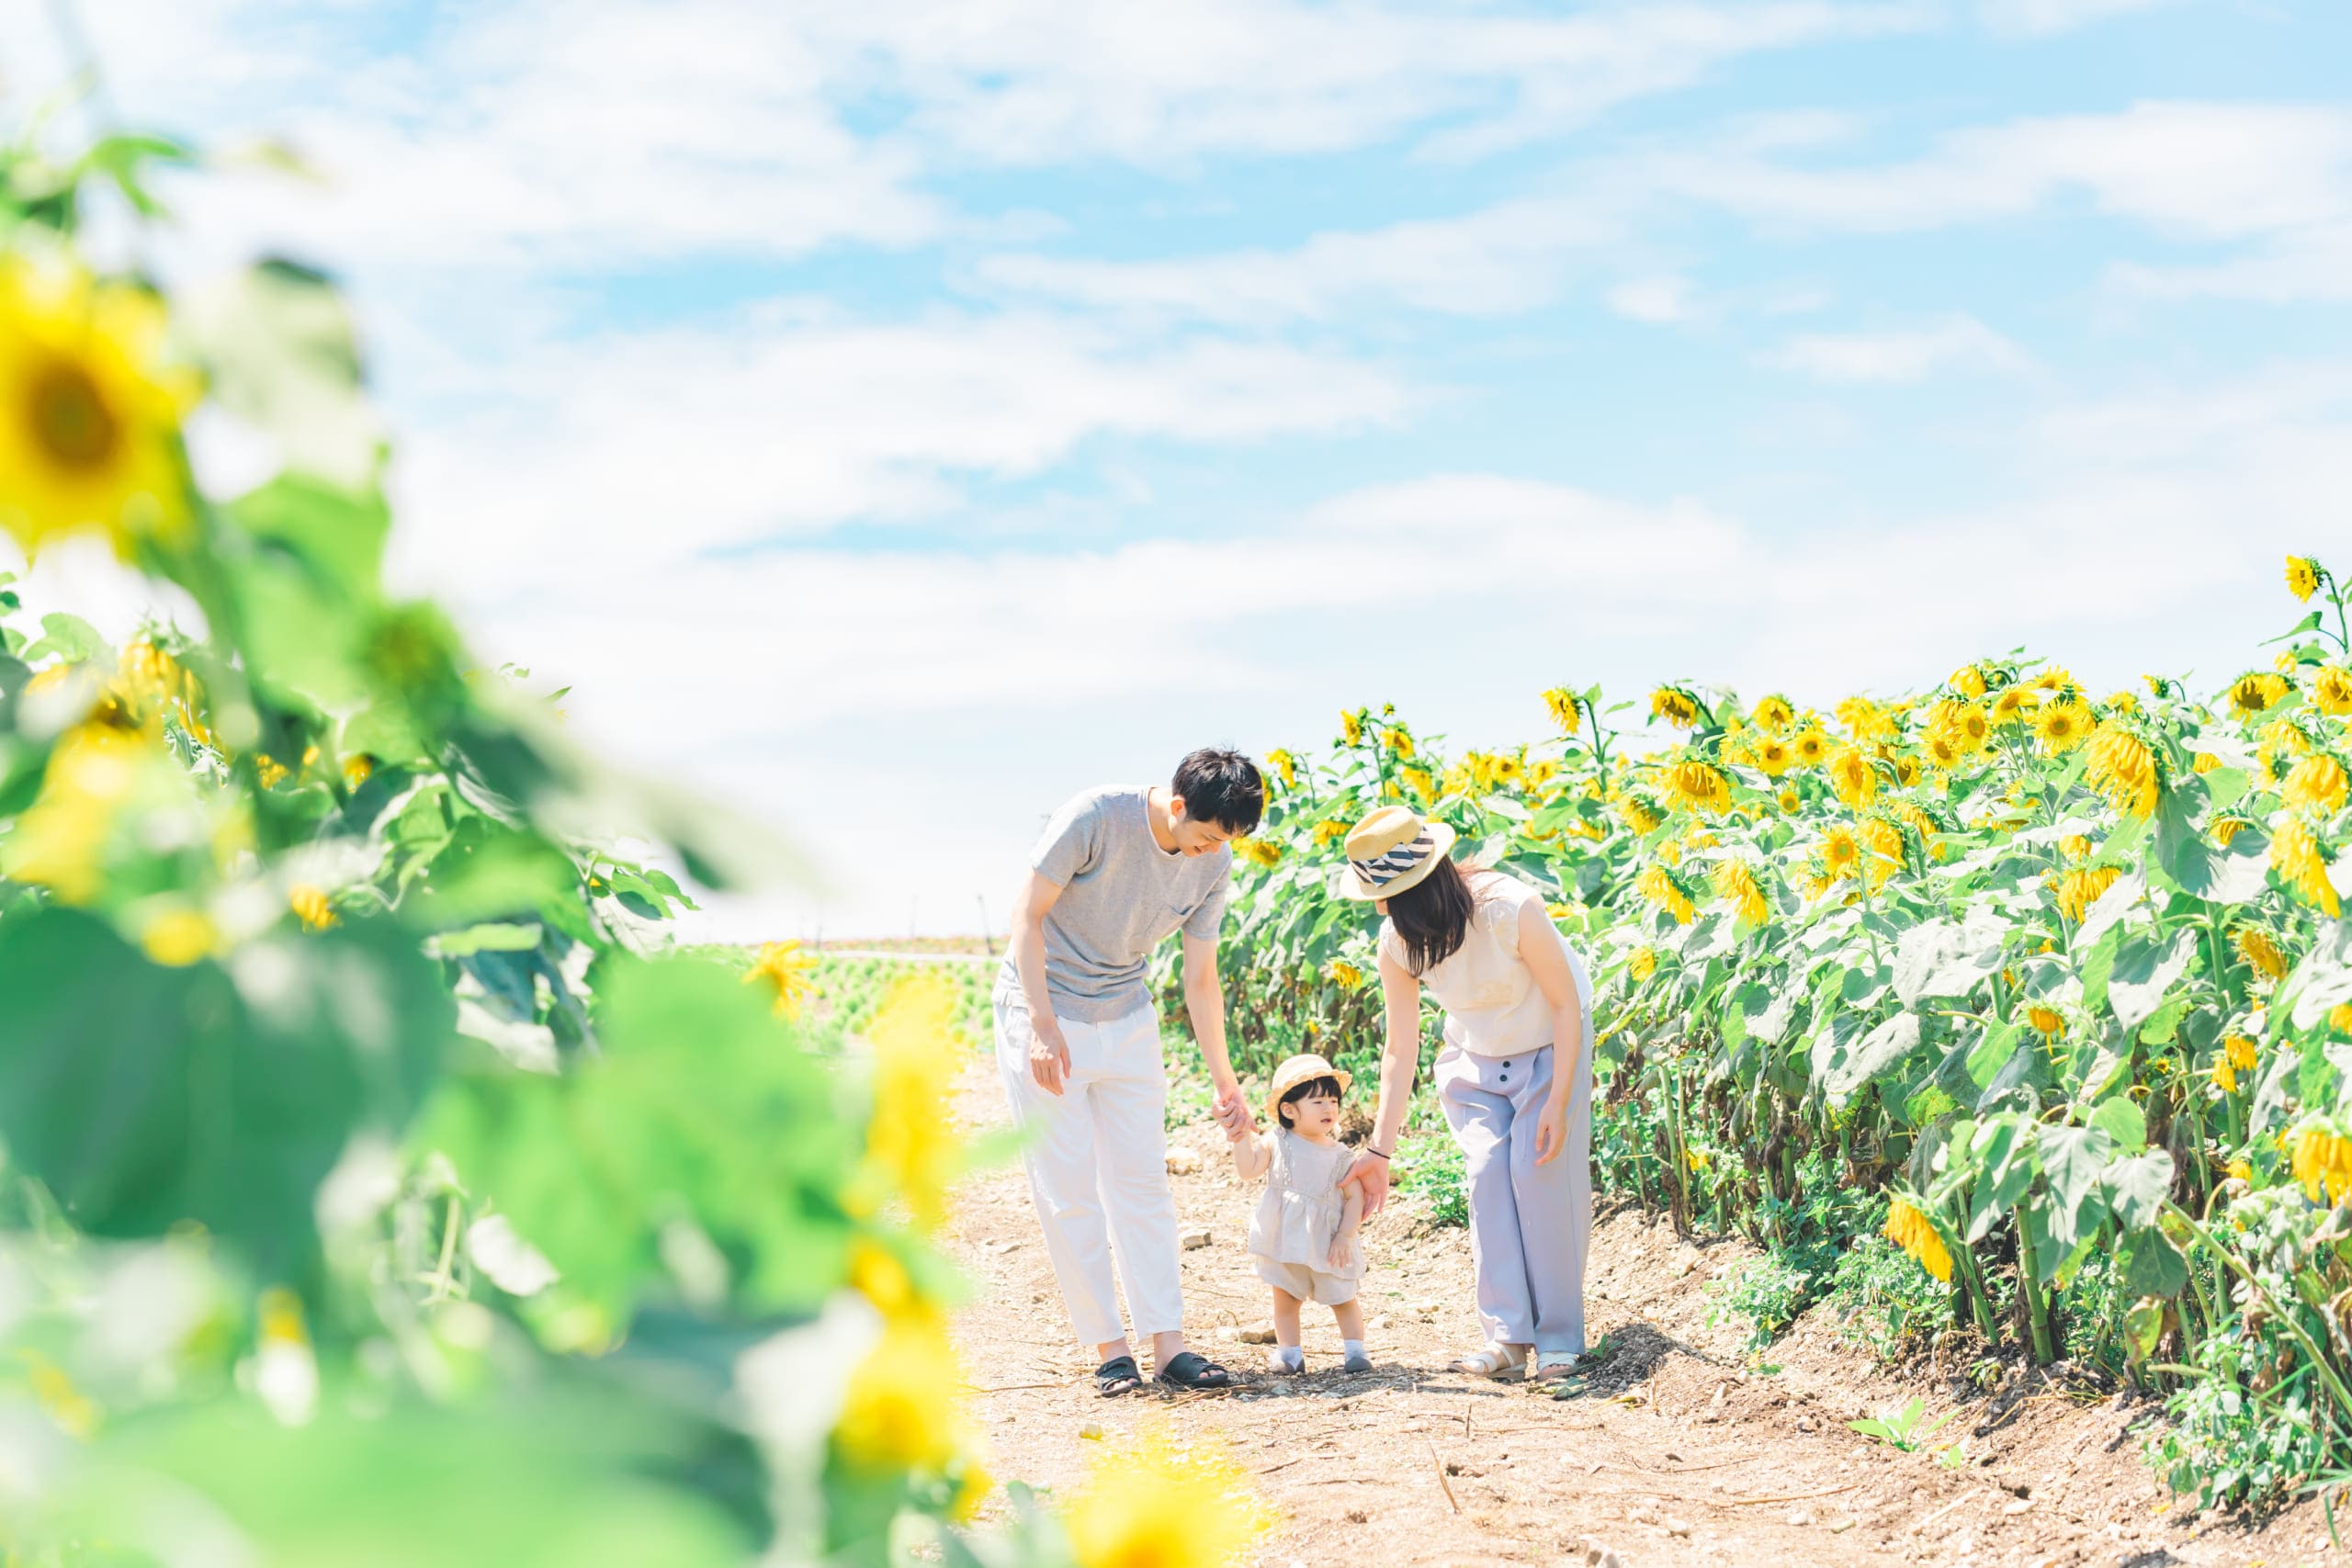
{"x": 1287, "y": 1359}
{"x": 1352, "y": 1348}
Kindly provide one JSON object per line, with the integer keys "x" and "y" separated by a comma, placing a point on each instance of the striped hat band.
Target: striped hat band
{"x": 1381, "y": 869}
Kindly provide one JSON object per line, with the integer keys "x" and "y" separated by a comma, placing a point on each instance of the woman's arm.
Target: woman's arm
{"x": 1546, "y": 958}
{"x": 1399, "y": 1062}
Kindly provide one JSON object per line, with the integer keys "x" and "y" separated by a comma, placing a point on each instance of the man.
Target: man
{"x": 1078, "y": 1042}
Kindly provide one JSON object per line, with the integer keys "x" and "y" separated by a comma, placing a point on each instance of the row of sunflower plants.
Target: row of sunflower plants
{"x": 2061, "y": 978}
{"x": 377, "y": 1183}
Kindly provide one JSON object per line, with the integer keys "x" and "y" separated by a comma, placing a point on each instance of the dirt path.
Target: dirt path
{"x": 1672, "y": 1453}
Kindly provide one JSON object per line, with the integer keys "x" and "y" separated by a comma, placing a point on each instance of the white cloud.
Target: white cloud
{"x": 2205, "y": 171}
{"x": 2312, "y": 264}
{"x": 1958, "y": 342}
{"x": 2042, "y": 17}
{"x": 1658, "y": 299}
{"x": 1498, "y": 260}
{"x": 666, "y": 443}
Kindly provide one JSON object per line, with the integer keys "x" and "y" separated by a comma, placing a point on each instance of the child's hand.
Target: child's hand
{"x": 1343, "y": 1251}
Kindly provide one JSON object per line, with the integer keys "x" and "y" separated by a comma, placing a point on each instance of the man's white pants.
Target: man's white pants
{"x": 1097, "y": 1156}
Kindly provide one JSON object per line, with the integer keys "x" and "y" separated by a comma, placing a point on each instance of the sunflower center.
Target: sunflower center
{"x": 70, "y": 419}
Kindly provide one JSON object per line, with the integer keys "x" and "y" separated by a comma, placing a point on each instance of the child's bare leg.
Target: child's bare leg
{"x": 1351, "y": 1315}
{"x": 1287, "y": 1354}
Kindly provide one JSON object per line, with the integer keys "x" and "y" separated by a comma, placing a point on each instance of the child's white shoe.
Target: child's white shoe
{"x": 1286, "y": 1358}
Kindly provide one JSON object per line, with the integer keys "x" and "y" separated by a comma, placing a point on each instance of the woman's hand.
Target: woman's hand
{"x": 1369, "y": 1176}
{"x": 1552, "y": 1128}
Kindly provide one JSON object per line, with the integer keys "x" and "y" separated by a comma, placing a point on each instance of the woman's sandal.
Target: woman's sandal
{"x": 1554, "y": 1366}
{"x": 1189, "y": 1368}
{"x": 1489, "y": 1360}
{"x": 1116, "y": 1376}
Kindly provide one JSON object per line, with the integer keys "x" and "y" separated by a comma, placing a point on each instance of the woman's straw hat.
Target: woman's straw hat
{"x": 1390, "y": 851}
{"x": 1305, "y": 1067}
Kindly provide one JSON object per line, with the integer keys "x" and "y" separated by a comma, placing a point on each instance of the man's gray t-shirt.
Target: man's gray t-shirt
{"x": 1122, "y": 894}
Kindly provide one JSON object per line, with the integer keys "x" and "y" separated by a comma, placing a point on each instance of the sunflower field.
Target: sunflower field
{"x": 2050, "y": 989}
{"x": 379, "y": 1184}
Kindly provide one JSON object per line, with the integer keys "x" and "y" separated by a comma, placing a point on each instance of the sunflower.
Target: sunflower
{"x": 1864, "y": 719}
{"x": 1661, "y": 887}
{"x": 1675, "y": 705}
{"x": 1330, "y": 832}
{"x": 178, "y": 934}
{"x": 1424, "y": 782}
{"x": 1774, "y": 714}
{"x": 2340, "y": 1018}
{"x": 2332, "y": 690}
{"x": 2122, "y": 701}
{"x": 2204, "y": 762}
{"x": 1344, "y": 975}
{"x": 1565, "y": 710}
{"x": 1735, "y": 884}
{"x": 1968, "y": 680}
{"x": 63, "y": 839}
{"x": 1695, "y": 786}
{"x": 1853, "y": 776}
{"x": 2323, "y": 1161}
{"x": 2316, "y": 783}
{"x": 2046, "y": 1022}
{"x": 2013, "y": 707}
{"x": 89, "y": 410}
{"x": 1884, "y": 839}
{"x": 1399, "y": 741}
{"x": 899, "y": 1412}
{"x": 1788, "y": 799}
{"x": 2062, "y": 725}
{"x": 1910, "y": 1230}
{"x": 2084, "y": 886}
{"x": 2257, "y": 691}
{"x": 1641, "y": 815}
{"x": 1351, "y": 727}
{"x": 1643, "y": 964}
{"x": 1914, "y": 815}
{"x": 2304, "y": 576}
{"x": 783, "y": 967}
{"x": 310, "y": 905}
{"x": 1286, "y": 767}
{"x": 1159, "y": 1505}
{"x": 1942, "y": 750}
{"x": 2075, "y": 846}
{"x": 2057, "y": 678}
{"x": 2121, "y": 766}
{"x": 2225, "y": 828}
{"x": 1842, "y": 851}
{"x": 1771, "y": 755}
{"x": 2300, "y": 863}
{"x": 1965, "y": 721}
{"x": 2255, "y": 946}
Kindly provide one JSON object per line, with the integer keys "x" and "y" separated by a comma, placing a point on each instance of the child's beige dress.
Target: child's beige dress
{"x": 1290, "y": 1235}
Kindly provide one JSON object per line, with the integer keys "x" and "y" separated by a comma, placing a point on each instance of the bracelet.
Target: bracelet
{"x": 1370, "y": 1150}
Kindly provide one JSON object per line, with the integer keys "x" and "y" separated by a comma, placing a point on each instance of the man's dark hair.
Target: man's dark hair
{"x": 1432, "y": 916}
{"x": 1323, "y": 1087}
{"x": 1223, "y": 787}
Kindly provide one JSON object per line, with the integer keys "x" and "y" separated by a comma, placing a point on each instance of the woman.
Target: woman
{"x": 1515, "y": 1077}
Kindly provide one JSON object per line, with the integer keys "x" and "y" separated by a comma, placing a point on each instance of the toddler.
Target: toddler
{"x": 1304, "y": 1233}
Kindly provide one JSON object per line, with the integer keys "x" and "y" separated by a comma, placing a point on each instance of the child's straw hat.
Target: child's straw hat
{"x": 1391, "y": 850}
{"x": 1305, "y": 1067}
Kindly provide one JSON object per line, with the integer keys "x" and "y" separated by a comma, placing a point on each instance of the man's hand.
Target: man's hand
{"x": 1370, "y": 1173}
{"x": 1048, "y": 1055}
{"x": 1232, "y": 1111}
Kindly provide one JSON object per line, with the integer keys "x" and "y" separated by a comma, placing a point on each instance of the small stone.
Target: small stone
{"x": 1383, "y": 1322}
{"x": 1035, "y": 1297}
{"x": 1805, "y": 1424}
{"x": 2013, "y": 1509}
{"x": 1423, "y": 1309}
{"x": 1715, "y": 1405}
{"x": 1596, "y": 1555}
{"x": 1839, "y": 1527}
{"x": 1092, "y": 1431}
{"x": 1800, "y": 1517}
{"x": 1183, "y": 1160}
{"x": 1258, "y": 1334}
{"x": 1678, "y": 1526}
{"x": 1192, "y": 1241}
{"x": 1227, "y": 1333}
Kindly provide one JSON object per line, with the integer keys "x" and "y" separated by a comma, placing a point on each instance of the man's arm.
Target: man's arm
{"x": 1399, "y": 1062}
{"x": 1204, "y": 1004}
{"x": 1049, "y": 1051}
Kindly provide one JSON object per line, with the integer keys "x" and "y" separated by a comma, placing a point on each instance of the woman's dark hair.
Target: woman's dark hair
{"x": 1432, "y": 916}
{"x": 1312, "y": 1089}
{"x": 1223, "y": 787}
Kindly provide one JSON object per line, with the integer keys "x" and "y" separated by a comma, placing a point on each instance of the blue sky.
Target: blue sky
{"x": 896, "y": 417}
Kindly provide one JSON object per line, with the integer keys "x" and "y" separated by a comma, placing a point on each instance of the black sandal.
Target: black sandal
{"x": 1117, "y": 1376}
{"x": 1187, "y": 1370}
